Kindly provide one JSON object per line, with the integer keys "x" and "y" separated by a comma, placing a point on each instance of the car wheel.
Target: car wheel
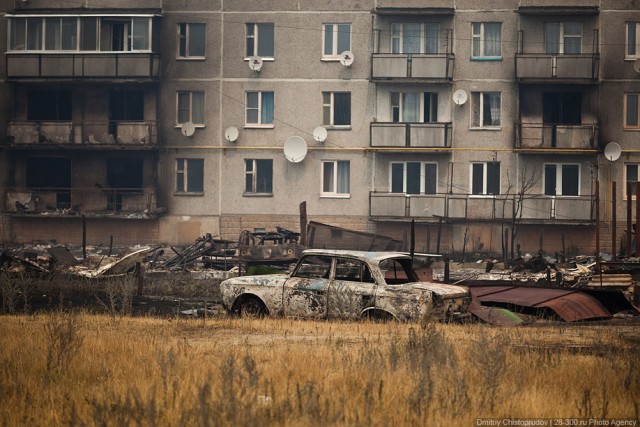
{"x": 252, "y": 308}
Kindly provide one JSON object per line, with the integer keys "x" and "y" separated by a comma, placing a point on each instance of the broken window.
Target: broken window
{"x": 51, "y": 174}
{"x": 561, "y": 179}
{"x": 191, "y": 40}
{"x": 49, "y": 105}
{"x": 189, "y": 175}
{"x": 485, "y": 178}
{"x": 562, "y": 108}
{"x": 414, "y": 177}
{"x": 258, "y": 176}
{"x": 125, "y": 173}
{"x": 336, "y": 108}
{"x": 126, "y": 106}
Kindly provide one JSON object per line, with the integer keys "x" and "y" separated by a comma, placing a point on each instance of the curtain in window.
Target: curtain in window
{"x": 183, "y": 107}
{"x": 432, "y": 34}
{"x": 492, "y": 35}
{"x": 552, "y": 38}
{"x": 411, "y": 38}
{"x": 140, "y": 34}
{"x": 573, "y": 37}
{"x": 396, "y": 30}
{"x": 69, "y": 34}
{"x": 343, "y": 177}
{"x": 52, "y": 34}
{"x": 266, "y": 116}
{"x": 197, "y": 106}
{"x": 411, "y": 107}
{"x": 494, "y": 104}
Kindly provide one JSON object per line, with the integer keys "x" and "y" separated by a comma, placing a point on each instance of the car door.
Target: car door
{"x": 305, "y": 292}
{"x": 352, "y": 289}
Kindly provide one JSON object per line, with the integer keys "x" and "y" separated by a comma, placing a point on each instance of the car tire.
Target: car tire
{"x": 251, "y": 308}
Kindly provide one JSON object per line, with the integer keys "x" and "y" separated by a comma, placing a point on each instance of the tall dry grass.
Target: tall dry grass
{"x": 82, "y": 369}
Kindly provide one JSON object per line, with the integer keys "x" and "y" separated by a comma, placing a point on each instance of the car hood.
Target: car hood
{"x": 440, "y": 289}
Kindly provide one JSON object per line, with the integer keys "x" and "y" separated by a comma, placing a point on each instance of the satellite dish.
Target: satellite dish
{"x": 295, "y": 149}
{"x": 188, "y": 128}
{"x": 255, "y": 63}
{"x": 231, "y": 134}
{"x": 612, "y": 151}
{"x": 346, "y": 58}
{"x": 459, "y": 97}
{"x": 320, "y": 134}
{"x": 636, "y": 65}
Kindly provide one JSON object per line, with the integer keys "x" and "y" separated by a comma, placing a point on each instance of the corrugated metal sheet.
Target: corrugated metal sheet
{"x": 570, "y": 305}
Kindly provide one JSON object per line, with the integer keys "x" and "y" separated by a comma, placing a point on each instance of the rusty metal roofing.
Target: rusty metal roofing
{"x": 570, "y": 305}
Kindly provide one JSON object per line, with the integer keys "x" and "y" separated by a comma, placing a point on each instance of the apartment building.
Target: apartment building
{"x": 483, "y": 122}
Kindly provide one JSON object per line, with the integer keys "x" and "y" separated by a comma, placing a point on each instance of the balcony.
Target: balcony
{"x": 535, "y": 208}
{"x": 537, "y": 136}
{"x": 97, "y": 202}
{"x": 539, "y": 67}
{"x": 31, "y": 134}
{"x": 410, "y": 135}
{"x": 412, "y": 66}
{"x": 109, "y": 66}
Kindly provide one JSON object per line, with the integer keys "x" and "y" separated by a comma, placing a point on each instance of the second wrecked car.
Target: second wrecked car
{"x": 346, "y": 285}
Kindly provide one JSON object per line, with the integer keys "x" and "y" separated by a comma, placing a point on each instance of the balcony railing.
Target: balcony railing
{"x": 412, "y": 66}
{"x": 108, "y": 65}
{"x": 502, "y": 207}
{"x": 410, "y": 135}
{"x": 562, "y": 137}
{"x": 135, "y": 203}
{"x": 87, "y": 134}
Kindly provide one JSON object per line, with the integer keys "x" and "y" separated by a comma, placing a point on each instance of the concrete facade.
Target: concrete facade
{"x": 536, "y": 118}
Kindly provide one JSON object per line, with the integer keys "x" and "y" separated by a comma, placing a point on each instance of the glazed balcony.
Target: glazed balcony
{"x": 537, "y": 136}
{"x": 535, "y": 208}
{"x": 390, "y": 135}
{"x": 34, "y": 134}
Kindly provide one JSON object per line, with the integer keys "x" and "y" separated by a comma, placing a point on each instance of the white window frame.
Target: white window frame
{"x": 636, "y": 45}
{"x": 562, "y": 36}
{"x": 256, "y": 37}
{"x": 331, "y": 107}
{"x": 399, "y": 36}
{"x": 190, "y": 92}
{"x": 404, "y": 176}
{"x": 477, "y": 99}
{"x": 187, "y": 38}
{"x": 184, "y": 171}
{"x": 558, "y": 167}
{"x": 334, "y": 55}
{"x": 480, "y": 37}
{"x": 485, "y": 179}
{"x": 625, "y": 107}
{"x": 334, "y": 184}
{"x": 259, "y": 109}
{"x": 400, "y": 106}
{"x": 254, "y": 177}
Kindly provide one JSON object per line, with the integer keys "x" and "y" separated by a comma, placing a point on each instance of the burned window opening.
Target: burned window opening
{"x": 124, "y": 174}
{"x": 125, "y": 106}
{"x": 51, "y": 174}
{"x": 49, "y": 105}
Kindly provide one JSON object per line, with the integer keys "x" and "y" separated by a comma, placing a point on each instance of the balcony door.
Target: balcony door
{"x": 124, "y": 106}
{"x": 560, "y": 110}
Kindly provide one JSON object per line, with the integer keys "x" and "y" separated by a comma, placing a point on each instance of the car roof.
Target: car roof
{"x": 360, "y": 255}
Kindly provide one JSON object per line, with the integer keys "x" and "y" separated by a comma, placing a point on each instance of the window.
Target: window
{"x": 633, "y": 41}
{"x": 125, "y": 105}
{"x": 337, "y": 39}
{"x": 415, "y": 38}
{"x": 336, "y": 108}
{"x": 191, "y": 107}
{"x": 259, "y": 108}
{"x": 125, "y": 173}
{"x": 258, "y": 176}
{"x": 260, "y": 40}
{"x": 485, "y": 178}
{"x": 49, "y": 105}
{"x": 350, "y": 270}
{"x": 191, "y": 40}
{"x": 81, "y": 33}
{"x": 486, "y": 40}
{"x": 561, "y": 180}
{"x": 51, "y": 173}
{"x": 563, "y": 38}
{"x": 189, "y": 175}
{"x": 631, "y": 176}
{"x": 335, "y": 177}
{"x": 413, "y": 177}
{"x": 414, "y": 107}
{"x": 631, "y": 111}
{"x": 486, "y": 109}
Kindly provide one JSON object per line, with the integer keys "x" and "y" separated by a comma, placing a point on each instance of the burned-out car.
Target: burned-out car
{"x": 346, "y": 285}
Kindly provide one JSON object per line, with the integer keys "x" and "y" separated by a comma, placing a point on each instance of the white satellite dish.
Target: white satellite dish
{"x": 188, "y": 128}
{"x": 255, "y": 63}
{"x": 320, "y": 133}
{"x": 346, "y": 58}
{"x": 231, "y": 134}
{"x": 459, "y": 97}
{"x": 612, "y": 151}
{"x": 295, "y": 149}
{"x": 636, "y": 65}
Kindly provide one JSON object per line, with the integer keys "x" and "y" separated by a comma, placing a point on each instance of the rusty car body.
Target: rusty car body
{"x": 346, "y": 284}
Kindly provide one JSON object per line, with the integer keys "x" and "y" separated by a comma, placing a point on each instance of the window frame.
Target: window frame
{"x": 480, "y": 37}
{"x": 558, "y": 178}
{"x": 636, "y": 45}
{"x": 423, "y": 177}
{"x": 625, "y": 107}
{"x": 331, "y": 107}
{"x": 433, "y": 106}
{"x": 626, "y": 180}
{"x": 183, "y": 171}
{"x": 255, "y": 37}
{"x": 191, "y": 109}
{"x": 563, "y": 36}
{"x": 485, "y": 179}
{"x": 335, "y": 193}
{"x": 400, "y": 35}
{"x": 187, "y": 41}
{"x": 259, "y": 108}
{"x": 477, "y": 99}
{"x": 335, "y": 40}
{"x": 254, "y": 172}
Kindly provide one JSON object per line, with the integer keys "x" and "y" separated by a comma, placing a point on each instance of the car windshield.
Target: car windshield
{"x": 397, "y": 271}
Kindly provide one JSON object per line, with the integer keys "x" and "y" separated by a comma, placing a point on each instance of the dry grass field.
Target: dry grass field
{"x": 86, "y": 369}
